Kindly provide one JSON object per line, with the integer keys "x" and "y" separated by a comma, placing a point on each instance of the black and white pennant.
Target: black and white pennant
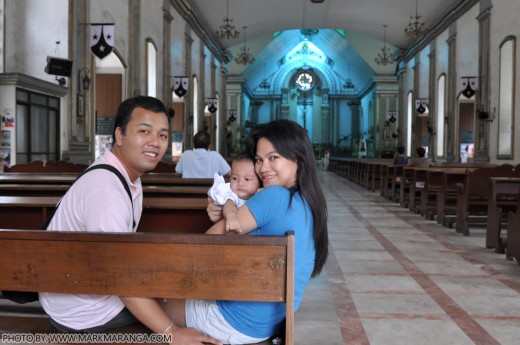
{"x": 101, "y": 39}
{"x": 180, "y": 85}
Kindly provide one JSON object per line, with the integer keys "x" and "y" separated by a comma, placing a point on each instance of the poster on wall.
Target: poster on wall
{"x": 7, "y": 118}
{"x": 103, "y": 143}
{"x": 5, "y": 138}
{"x": 5, "y": 158}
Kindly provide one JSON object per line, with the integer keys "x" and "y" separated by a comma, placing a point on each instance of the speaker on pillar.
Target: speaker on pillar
{"x": 58, "y": 66}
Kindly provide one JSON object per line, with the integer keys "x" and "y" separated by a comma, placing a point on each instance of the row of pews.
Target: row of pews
{"x": 170, "y": 203}
{"x": 457, "y": 196}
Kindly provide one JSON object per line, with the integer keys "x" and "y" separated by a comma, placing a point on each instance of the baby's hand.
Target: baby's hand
{"x": 232, "y": 224}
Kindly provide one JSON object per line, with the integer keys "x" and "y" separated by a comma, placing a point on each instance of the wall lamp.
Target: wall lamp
{"x": 84, "y": 79}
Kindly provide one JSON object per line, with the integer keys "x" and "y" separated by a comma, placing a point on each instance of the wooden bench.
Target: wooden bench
{"x": 503, "y": 198}
{"x": 167, "y": 191}
{"x": 172, "y": 215}
{"x": 222, "y": 267}
{"x": 148, "y": 179}
{"x": 473, "y": 197}
{"x": 513, "y": 233}
{"x": 46, "y": 167}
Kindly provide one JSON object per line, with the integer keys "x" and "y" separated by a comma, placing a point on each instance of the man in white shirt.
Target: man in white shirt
{"x": 201, "y": 162}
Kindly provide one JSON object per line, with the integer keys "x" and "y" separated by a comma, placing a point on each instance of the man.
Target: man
{"x": 201, "y": 162}
{"x": 97, "y": 202}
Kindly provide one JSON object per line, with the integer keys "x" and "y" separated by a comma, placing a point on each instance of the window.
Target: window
{"x": 409, "y": 124}
{"x": 151, "y": 69}
{"x": 195, "y": 105}
{"x": 37, "y": 127}
{"x": 305, "y": 81}
{"x": 441, "y": 102}
{"x": 506, "y": 99}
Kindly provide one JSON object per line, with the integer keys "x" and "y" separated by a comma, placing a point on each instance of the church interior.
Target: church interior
{"x": 361, "y": 77}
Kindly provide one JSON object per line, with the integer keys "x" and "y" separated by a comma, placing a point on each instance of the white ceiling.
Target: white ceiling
{"x": 365, "y": 17}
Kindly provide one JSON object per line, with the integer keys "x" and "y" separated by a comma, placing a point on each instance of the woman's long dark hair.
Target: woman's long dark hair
{"x": 292, "y": 142}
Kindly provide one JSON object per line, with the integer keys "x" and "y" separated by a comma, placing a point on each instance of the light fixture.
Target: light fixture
{"x": 84, "y": 78}
{"x": 244, "y": 57}
{"x": 227, "y": 30}
{"x": 265, "y": 83}
{"x": 349, "y": 84}
{"x": 416, "y": 28}
{"x": 385, "y": 56}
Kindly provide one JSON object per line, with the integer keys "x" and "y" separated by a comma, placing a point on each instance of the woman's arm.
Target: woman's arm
{"x": 214, "y": 211}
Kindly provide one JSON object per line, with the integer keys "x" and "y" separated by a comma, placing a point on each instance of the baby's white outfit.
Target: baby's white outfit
{"x": 221, "y": 192}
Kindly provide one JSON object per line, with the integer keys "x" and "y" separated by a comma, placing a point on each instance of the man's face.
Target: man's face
{"x": 144, "y": 143}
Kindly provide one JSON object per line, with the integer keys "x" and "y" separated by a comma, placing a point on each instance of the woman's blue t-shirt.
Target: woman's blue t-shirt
{"x": 273, "y": 215}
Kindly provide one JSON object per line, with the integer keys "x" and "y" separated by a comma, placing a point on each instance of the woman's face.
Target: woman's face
{"x": 273, "y": 168}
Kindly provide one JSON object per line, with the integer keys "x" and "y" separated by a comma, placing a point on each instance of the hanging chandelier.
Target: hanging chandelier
{"x": 265, "y": 84}
{"x": 385, "y": 56}
{"x": 227, "y": 30}
{"x": 349, "y": 84}
{"x": 244, "y": 57}
{"x": 416, "y": 29}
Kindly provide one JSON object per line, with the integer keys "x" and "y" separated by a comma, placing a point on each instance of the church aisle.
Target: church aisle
{"x": 395, "y": 278}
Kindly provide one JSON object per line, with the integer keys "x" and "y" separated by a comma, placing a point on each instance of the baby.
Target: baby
{"x": 243, "y": 184}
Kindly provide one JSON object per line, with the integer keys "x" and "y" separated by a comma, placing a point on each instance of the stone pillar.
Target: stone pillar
{"x": 432, "y": 147}
{"x": 325, "y": 117}
{"x": 483, "y": 101}
{"x": 284, "y": 109}
{"x": 451, "y": 95}
{"x": 188, "y": 99}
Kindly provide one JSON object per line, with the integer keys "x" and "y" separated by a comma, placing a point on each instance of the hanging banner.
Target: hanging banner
{"x": 421, "y": 105}
{"x": 232, "y": 115}
{"x": 469, "y": 86}
{"x": 212, "y": 104}
{"x": 391, "y": 116}
{"x": 101, "y": 39}
{"x": 180, "y": 85}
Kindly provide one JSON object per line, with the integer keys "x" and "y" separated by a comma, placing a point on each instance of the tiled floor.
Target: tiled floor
{"x": 395, "y": 278}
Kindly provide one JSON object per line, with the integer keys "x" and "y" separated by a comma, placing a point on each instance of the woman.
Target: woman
{"x": 291, "y": 200}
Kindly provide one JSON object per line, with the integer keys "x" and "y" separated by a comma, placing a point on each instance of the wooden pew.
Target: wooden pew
{"x": 473, "y": 197}
{"x": 447, "y": 195}
{"x": 503, "y": 198}
{"x": 68, "y": 178}
{"x": 513, "y": 233}
{"x": 47, "y": 167}
{"x": 170, "y": 191}
{"x": 172, "y": 215}
{"x": 223, "y": 267}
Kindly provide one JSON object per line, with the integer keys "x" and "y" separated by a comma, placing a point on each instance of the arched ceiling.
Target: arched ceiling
{"x": 350, "y": 34}
{"x": 264, "y": 17}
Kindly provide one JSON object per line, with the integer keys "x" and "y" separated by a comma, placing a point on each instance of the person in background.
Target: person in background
{"x": 291, "y": 199}
{"x": 98, "y": 202}
{"x": 326, "y": 158}
{"x": 421, "y": 161}
{"x": 244, "y": 183}
{"x": 400, "y": 158}
{"x": 201, "y": 162}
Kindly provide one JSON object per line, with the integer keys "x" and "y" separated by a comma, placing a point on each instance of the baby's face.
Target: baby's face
{"x": 244, "y": 181}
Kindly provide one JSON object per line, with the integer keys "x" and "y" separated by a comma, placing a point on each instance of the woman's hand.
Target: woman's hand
{"x": 190, "y": 336}
{"x": 214, "y": 211}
